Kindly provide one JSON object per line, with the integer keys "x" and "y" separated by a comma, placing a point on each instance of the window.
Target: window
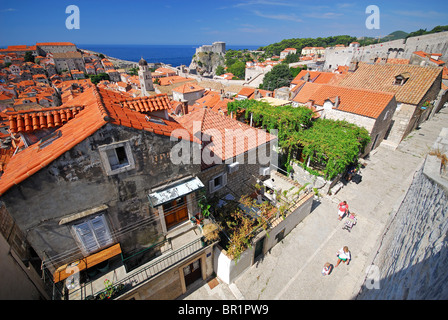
{"x": 93, "y": 234}
{"x": 401, "y": 78}
{"x": 217, "y": 182}
{"x": 117, "y": 157}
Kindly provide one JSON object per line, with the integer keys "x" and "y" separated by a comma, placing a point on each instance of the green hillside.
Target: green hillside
{"x": 396, "y": 35}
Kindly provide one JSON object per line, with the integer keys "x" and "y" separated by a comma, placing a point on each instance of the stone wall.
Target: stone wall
{"x": 242, "y": 180}
{"x": 413, "y": 252}
{"x": 77, "y": 181}
{"x": 402, "y": 49}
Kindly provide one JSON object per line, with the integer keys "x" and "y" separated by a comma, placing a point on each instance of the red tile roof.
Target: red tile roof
{"x": 211, "y": 100}
{"x": 148, "y": 104}
{"x": 54, "y": 44}
{"x": 380, "y": 77}
{"x": 212, "y": 123}
{"x": 363, "y": 102}
{"x": 101, "y": 106}
{"x": 250, "y": 92}
{"x": 31, "y": 120}
{"x": 188, "y": 87}
{"x": 319, "y": 77}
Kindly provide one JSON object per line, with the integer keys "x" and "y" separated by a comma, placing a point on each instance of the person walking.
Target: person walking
{"x": 343, "y": 255}
{"x": 327, "y": 269}
{"x": 342, "y": 209}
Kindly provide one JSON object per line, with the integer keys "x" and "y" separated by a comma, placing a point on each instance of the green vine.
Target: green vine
{"x": 331, "y": 145}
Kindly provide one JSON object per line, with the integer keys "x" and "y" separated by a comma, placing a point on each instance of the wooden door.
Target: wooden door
{"x": 175, "y": 212}
{"x": 192, "y": 272}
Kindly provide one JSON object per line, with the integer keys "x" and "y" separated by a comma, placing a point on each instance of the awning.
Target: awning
{"x": 87, "y": 262}
{"x": 175, "y": 191}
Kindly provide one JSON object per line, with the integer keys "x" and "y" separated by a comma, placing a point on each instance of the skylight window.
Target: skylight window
{"x": 45, "y": 141}
{"x": 401, "y": 78}
{"x": 155, "y": 120}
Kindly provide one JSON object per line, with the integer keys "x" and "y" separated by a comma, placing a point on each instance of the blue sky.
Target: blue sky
{"x": 237, "y": 22}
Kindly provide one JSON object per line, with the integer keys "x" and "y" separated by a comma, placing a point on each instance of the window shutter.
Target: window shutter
{"x": 101, "y": 231}
{"x": 86, "y": 237}
{"x": 112, "y": 157}
{"x": 224, "y": 179}
{"x": 211, "y": 186}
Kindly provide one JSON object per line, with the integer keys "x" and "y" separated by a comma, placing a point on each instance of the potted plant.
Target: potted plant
{"x": 210, "y": 232}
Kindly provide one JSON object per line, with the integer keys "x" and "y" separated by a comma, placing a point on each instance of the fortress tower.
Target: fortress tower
{"x": 145, "y": 77}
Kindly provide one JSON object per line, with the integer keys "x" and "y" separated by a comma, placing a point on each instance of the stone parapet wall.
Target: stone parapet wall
{"x": 413, "y": 251}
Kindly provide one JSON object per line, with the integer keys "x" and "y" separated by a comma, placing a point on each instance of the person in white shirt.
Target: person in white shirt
{"x": 343, "y": 255}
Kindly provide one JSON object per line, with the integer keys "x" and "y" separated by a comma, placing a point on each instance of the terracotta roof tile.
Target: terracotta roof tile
{"x": 382, "y": 78}
{"x": 211, "y": 122}
{"x": 188, "y": 87}
{"x": 100, "y": 106}
{"x": 36, "y": 119}
{"x": 364, "y": 102}
{"x": 317, "y": 77}
{"x": 54, "y": 44}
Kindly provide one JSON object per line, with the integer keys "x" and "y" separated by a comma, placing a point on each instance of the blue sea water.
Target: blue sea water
{"x": 175, "y": 55}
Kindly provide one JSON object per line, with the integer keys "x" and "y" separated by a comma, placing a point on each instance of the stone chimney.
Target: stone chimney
{"x": 184, "y": 106}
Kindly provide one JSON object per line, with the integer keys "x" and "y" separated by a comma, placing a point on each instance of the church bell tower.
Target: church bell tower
{"x": 144, "y": 75}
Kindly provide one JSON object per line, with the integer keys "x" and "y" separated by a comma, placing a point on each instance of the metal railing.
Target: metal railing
{"x": 156, "y": 267}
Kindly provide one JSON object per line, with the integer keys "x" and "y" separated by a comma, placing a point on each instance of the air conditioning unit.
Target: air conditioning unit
{"x": 233, "y": 167}
{"x": 265, "y": 171}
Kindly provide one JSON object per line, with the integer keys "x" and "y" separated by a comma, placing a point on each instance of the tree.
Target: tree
{"x": 133, "y": 71}
{"x": 291, "y": 58}
{"x": 238, "y": 69}
{"x": 219, "y": 70}
{"x": 29, "y": 56}
{"x": 99, "y": 77}
{"x": 295, "y": 71}
{"x": 278, "y": 77}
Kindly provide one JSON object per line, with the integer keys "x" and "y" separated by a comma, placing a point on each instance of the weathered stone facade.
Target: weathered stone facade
{"x": 239, "y": 182}
{"x": 77, "y": 182}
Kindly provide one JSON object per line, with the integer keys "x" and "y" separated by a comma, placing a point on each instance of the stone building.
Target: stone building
{"x": 145, "y": 78}
{"x": 396, "y": 49}
{"x": 189, "y": 92}
{"x": 233, "y": 153}
{"x": 69, "y": 61}
{"x": 416, "y": 91}
{"x": 372, "y": 110}
{"x": 20, "y": 50}
{"x": 421, "y": 58}
{"x": 101, "y": 189}
{"x": 287, "y": 52}
{"x": 54, "y": 47}
{"x": 216, "y": 47}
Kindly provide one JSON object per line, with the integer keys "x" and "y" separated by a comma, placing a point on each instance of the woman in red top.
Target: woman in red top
{"x": 343, "y": 209}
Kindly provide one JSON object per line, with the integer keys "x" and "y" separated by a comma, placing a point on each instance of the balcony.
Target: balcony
{"x": 180, "y": 244}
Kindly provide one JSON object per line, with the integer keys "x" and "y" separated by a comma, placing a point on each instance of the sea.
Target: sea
{"x": 174, "y": 55}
